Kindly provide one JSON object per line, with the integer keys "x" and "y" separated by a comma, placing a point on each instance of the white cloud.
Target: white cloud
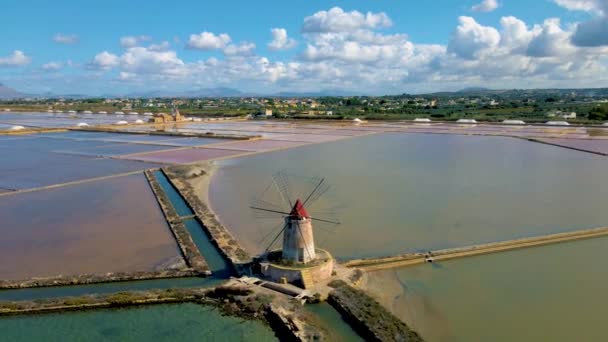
{"x": 600, "y": 6}
{"x": 280, "y": 40}
{"x": 65, "y": 38}
{"x": 104, "y": 60}
{"x": 471, "y": 39}
{"x": 242, "y": 49}
{"x": 208, "y": 41}
{"x": 141, "y": 60}
{"x": 485, "y": 6}
{"x": 550, "y": 41}
{"x": 17, "y": 58}
{"x": 132, "y": 41}
{"x": 515, "y": 35}
{"x": 164, "y": 46}
{"x": 336, "y": 20}
{"x": 594, "y": 32}
{"x": 363, "y": 58}
{"x": 52, "y": 66}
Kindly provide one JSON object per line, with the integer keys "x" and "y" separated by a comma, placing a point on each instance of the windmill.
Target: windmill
{"x": 296, "y": 227}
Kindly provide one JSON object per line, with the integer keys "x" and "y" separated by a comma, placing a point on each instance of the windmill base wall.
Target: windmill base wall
{"x": 299, "y": 275}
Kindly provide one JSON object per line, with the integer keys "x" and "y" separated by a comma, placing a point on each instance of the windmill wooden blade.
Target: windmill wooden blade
{"x": 318, "y": 193}
{"x": 323, "y": 220}
{"x": 259, "y": 203}
{"x": 270, "y": 233}
{"x": 281, "y": 182}
{"x": 276, "y": 237}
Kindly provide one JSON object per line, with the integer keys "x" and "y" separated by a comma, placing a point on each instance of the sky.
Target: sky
{"x": 370, "y": 47}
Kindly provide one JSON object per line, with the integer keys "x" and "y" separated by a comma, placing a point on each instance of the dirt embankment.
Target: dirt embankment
{"x": 375, "y": 264}
{"x": 189, "y": 250}
{"x": 113, "y": 129}
{"x": 82, "y": 279}
{"x": 180, "y": 177}
{"x": 31, "y": 130}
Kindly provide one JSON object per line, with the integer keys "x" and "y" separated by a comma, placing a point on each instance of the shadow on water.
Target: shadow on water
{"x": 219, "y": 266}
{"x": 335, "y": 325}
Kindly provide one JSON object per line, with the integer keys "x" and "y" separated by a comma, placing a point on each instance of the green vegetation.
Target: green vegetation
{"x": 535, "y": 105}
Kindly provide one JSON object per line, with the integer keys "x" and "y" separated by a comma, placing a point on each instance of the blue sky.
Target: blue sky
{"x": 374, "y": 47}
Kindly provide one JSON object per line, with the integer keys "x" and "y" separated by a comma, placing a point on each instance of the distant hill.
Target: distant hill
{"x": 515, "y": 93}
{"x": 473, "y": 89}
{"x": 323, "y": 93}
{"x": 204, "y": 92}
{"x": 7, "y": 93}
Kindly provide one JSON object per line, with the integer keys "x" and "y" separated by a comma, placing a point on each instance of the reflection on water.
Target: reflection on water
{"x": 330, "y": 319}
{"x": 550, "y": 293}
{"x": 185, "y": 322}
{"x": 405, "y": 192}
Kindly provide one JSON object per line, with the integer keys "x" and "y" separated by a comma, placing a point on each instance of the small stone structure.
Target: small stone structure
{"x": 175, "y": 116}
{"x": 299, "y": 262}
{"x": 305, "y": 275}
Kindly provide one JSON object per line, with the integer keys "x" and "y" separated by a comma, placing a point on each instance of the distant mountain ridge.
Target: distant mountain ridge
{"x": 7, "y": 93}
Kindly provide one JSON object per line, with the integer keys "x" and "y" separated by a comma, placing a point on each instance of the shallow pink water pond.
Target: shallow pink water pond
{"x": 257, "y": 145}
{"x": 184, "y": 156}
{"x": 112, "y": 225}
{"x": 594, "y": 145}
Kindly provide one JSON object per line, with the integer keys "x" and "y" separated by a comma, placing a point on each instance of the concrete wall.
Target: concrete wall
{"x": 322, "y": 271}
{"x": 294, "y": 274}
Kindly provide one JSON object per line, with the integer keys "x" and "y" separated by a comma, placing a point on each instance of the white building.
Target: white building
{"x": 560, "y": 114}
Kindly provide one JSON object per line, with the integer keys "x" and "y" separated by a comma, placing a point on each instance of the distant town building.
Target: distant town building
{"x": 268, "y": 112}
{"x": 560, "y": 114}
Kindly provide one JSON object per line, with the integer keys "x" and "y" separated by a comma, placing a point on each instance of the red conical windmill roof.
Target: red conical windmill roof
{"x": 298, "y": 210}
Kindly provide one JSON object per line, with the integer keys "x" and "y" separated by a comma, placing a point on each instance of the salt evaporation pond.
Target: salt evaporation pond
{"x": 405, "y": 192}
{"x": 171, "y": 322}
{"x": 34, "y": 161}
{"x": 111, "y": 225}
{"x": 396, "y": 193}
{"x": 550, "y": 293}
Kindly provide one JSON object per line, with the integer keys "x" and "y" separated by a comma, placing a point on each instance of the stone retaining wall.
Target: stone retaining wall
{"x": 367, "y": 317}
{"x": 82, "y": 279}
{"x": 220, "y": 236}
{"x": 191, "y": 254}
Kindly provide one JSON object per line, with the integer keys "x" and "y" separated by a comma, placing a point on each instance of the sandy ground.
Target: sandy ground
{"x": 415, "y": 310}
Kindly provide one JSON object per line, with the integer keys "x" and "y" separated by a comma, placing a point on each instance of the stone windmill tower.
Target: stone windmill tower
{"x": 298, "y": 237}
{"x": 298, "y": 260}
